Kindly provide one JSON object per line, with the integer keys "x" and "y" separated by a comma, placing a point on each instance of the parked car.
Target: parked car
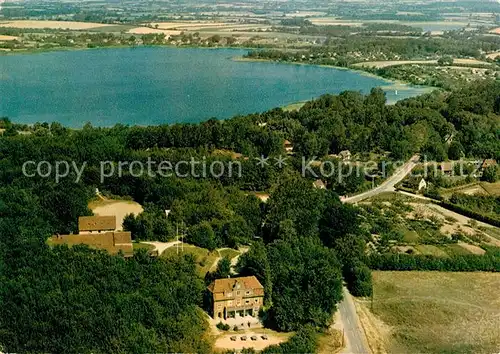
{"x": 233, "y": 338}
{"x": 253, "y": 337}
{"x": 265, "y": 337}
{"x": 244, "y": 338}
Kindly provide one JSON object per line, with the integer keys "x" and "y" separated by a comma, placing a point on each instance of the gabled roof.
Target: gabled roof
{"x": 488, "y": 162}
{"x": 97, "y": 223}
{"x": 446, "y": 166}
{"x": 230, "y": 284}
{"x": 319, "y": 184}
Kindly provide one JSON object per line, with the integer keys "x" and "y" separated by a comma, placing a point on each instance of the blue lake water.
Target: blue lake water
{"x": 157, "y": 85}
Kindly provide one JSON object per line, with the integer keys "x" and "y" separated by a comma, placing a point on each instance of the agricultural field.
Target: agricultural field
{"x": 23, "y": 24}
{"x": 402, "y": 224}
{"x": 481, "y": 188}
{"x": 433, "y": 312}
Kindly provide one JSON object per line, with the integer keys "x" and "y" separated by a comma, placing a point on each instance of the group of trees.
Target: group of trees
{"x": 303, "y": 254}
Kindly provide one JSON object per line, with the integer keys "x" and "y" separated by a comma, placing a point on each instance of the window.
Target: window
{"x": 238, "y": 293}
{"x": 247, "y": 302}
{"x": 219, "y": 306}
{"x": 249, "y": 292}
{"x": 256, "y": 301}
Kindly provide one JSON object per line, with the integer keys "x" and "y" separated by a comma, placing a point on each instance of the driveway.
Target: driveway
{"x": 161, "y": 246}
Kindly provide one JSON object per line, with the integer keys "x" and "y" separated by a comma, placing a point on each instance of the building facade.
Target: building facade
{"x": 234, "y": 297}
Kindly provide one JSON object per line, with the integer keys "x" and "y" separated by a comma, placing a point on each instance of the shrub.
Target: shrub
{"x": 359, "y": 279}
{"x": 223, "y": 326}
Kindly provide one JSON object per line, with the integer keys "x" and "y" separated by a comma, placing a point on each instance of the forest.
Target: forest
{"x": 304, "y": 241}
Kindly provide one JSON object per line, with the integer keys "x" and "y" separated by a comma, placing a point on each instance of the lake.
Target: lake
{"x": 158, "y": 85}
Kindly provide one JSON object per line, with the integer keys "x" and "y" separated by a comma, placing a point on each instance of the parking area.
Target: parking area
{"x": 250, "y": 339}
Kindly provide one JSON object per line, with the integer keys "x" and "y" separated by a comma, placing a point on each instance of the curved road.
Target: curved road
{"x": 388, "y": 185}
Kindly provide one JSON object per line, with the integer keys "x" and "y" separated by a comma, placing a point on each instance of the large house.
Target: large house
{"x": 233, "y": 297}
{"x": 98, "y": 232}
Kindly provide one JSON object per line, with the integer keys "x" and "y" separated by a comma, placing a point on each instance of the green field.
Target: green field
{"x": 204, "y": 258}
{"x": 228, "y": 253}
{"x": 437, "y": 312}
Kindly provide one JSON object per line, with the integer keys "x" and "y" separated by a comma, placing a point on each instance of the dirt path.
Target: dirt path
{"x": 234, "y": 260}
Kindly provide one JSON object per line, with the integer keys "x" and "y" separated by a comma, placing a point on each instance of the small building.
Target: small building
{"x": 98, "y": 232}
{"x": 415, "y": 183}
{"x": 319, "y": 184}
{"x": 96, "y": 224}
{"x": 446, "y": 168}
{"x": 233, "y": 297}
{"x": 345, "y": 155}
{"x": 113, "y": 242}
{"x": 488, "y": 163}
{"x": 288, "y": 147}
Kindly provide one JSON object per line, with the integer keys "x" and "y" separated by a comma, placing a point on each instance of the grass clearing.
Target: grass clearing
{"x": 330, "y": 342}
{"x": 228, "y": 253}
{"x": 491, "y": 188}
{"x": 437, "y": 312}
{"x": 431, "y": 250}
{"x": 204, "y": 258}
{"x": 139, "y": 245}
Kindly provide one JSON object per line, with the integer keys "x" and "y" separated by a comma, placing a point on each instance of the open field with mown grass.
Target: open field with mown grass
{"x": 204, "y": 258}
{"x": 434, "y": 312}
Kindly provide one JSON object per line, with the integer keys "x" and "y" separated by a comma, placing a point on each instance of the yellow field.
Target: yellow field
{"x": 433, "y": 312}
{"x": 147, "y": 30}
{"x": 7, "y": 38}
{"x": 52, "y": 24}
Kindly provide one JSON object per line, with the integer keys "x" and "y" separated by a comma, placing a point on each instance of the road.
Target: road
{"x": 162, "y": 246}
{"x": 388, "y": 185}
{"x": 356, "y": 342}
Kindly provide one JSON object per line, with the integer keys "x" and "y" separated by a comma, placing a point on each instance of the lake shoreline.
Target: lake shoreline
{"x": 395, "y": 84}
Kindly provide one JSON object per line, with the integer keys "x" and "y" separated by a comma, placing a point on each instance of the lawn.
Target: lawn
{"x": 431, "y": 250}
{"x": 436, "y": 312}
{"x": 491, "y": 188}
{"x": 228, "y": 252}
{"x": 138, "y": 246}
{"x": 204, "y": 258}
{"x": 493, "y": 232}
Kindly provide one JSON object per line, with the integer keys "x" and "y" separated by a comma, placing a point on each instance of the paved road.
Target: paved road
{"x": 356, "y": 342}
{"x": 388, "y": 185}
{"x": 162, "y": 246}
